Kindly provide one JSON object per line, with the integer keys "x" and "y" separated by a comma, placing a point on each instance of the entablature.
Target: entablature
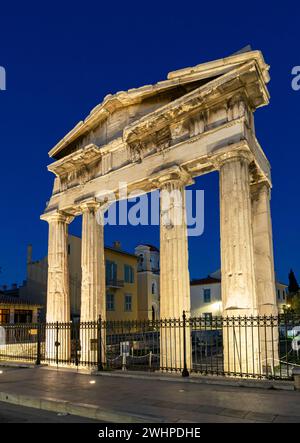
{"x": 209, "y": 108}
{"x": 132, "y": 104}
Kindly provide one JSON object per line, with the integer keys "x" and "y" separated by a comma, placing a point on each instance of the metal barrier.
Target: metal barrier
{"x": 257, "y": 347}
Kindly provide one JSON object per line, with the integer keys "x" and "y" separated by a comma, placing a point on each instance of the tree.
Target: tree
{"x": 293, "y": 284}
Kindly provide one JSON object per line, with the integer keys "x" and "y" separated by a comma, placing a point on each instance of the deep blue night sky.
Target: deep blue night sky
{"x": 63, "y": 59}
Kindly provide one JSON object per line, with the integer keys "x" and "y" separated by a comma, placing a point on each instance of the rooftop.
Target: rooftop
{"x": 205, "y": 281}
{"x": 151, "y": 247}
{"x": 7, "y": 300}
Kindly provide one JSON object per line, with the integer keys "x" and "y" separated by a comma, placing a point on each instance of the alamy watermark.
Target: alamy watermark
{"x": 2, "y": 79}
{"x": 168, "y": 207}
{"x": 296, "y": 79}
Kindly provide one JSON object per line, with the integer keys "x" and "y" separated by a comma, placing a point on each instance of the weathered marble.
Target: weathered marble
{"x": 58, "y": 297}
{"x": 237, "y": 263}
{"x": 198, "y": 120}
{"x": 93, "y": 279}
{"x": 174, "y": 271}
{"x": 264, "y": 272}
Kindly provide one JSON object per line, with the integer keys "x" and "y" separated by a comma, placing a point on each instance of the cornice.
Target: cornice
{"x": 200, "y": 99}
{"x": 77, "y": 159}
{"x": 176, "y": 78}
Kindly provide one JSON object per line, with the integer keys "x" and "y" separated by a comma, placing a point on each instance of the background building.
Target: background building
{"x": 206, "y": 296}
{"x": 281, "y": 294}
{"x": 148, "y": 281}
{"x": 121, "y": 281}
{"x": 132, "y": 285}
{"x": 15, "y": 310}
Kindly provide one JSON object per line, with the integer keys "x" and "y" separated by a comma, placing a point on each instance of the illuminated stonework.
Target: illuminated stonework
{"x": 198, "y": 120}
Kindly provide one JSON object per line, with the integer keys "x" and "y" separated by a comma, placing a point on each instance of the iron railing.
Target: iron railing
{"x": 258, "y": 347}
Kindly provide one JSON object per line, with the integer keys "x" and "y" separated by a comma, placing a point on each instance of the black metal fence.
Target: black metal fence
{"x": 258, "y": 347}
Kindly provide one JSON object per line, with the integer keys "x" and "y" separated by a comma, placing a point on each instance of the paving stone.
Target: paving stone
{"x": 284, "y": 419}
{"x": 233, "y": 413}
{"x": 157, "y": 399}
{"x": 259, "y": 416}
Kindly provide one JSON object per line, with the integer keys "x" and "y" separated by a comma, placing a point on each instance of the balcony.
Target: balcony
{"x": 116, "y": 284}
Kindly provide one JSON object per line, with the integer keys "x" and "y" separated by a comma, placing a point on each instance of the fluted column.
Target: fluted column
{"x": 241, "y": 346}
{"x": 237, "y": 256}
{"x": 58, "y": 297}
{"x": 93, "y": 279}
{"x": 264, "y": 274}
{"x": 174, "y": 272}
{"x": 263, "y": 249}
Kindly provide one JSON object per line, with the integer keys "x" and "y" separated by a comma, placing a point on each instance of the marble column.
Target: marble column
{"x": 174, "y": 272}
{"x": 239, "y": 299}
{"x": 93, "y": 303}
{"x": 58, "y": 297}
{"x": 263, "y": 249}
{"x": 264, "y": 273}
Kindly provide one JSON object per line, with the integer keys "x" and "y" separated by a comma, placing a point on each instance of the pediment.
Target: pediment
{"x": 110, "y": 119}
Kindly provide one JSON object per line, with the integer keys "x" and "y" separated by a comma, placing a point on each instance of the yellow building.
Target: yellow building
{"x": 15, "y": 310}
{"x": 121, "y": 281}
{"x": 121, "y": 284}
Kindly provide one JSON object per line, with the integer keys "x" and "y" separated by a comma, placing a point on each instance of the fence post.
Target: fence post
{"x": 76, "y": 329}
{"x": 99, "y": 341}
{"x": 38, "y": 350}
{"x": 57, "y": 344}
{"x": 185, "y": 372}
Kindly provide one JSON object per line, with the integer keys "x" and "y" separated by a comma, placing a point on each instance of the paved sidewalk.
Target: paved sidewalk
{"x": 20, "y": 414}
{"x": 116, "y": 399}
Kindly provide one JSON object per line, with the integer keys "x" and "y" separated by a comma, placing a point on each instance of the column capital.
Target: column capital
{"x": 57, "y": 216}
{"x": 89, "y": 204}
{"x": 259, "y": 187}
{"x": 239, "y": 154}
{"x": 174, "y": 175}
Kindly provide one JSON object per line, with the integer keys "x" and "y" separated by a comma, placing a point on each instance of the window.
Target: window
{"x": 153, "y": 289}
{"x": 128, "y": 274}
{"x": 153, "y": 313}
{"x": 23, "y": 316}
{"x": 128, "y": 303}
{"x": 4, "y": 316}
{"x": 283, "y": 295}
{"x": 140, "y": 261}
{"x": 206, "y": 295}
{"x": 110, "y": 271}
{"x": 69, "y": 249}
{"x": 278, "y": 294}
{"x": 110, "y": 302}
{"x": 207, "y": 316}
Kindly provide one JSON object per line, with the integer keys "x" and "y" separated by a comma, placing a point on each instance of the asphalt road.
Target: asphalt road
{"x": 19, "y": 414}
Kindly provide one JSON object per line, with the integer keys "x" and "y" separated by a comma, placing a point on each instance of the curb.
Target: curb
{"x": 6, "y": 364}
{"x": 80, "y": 409}
{"x": 218, "y": 381}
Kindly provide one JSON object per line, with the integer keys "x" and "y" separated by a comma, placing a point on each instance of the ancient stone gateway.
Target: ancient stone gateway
{"x": 159, "y": 137}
